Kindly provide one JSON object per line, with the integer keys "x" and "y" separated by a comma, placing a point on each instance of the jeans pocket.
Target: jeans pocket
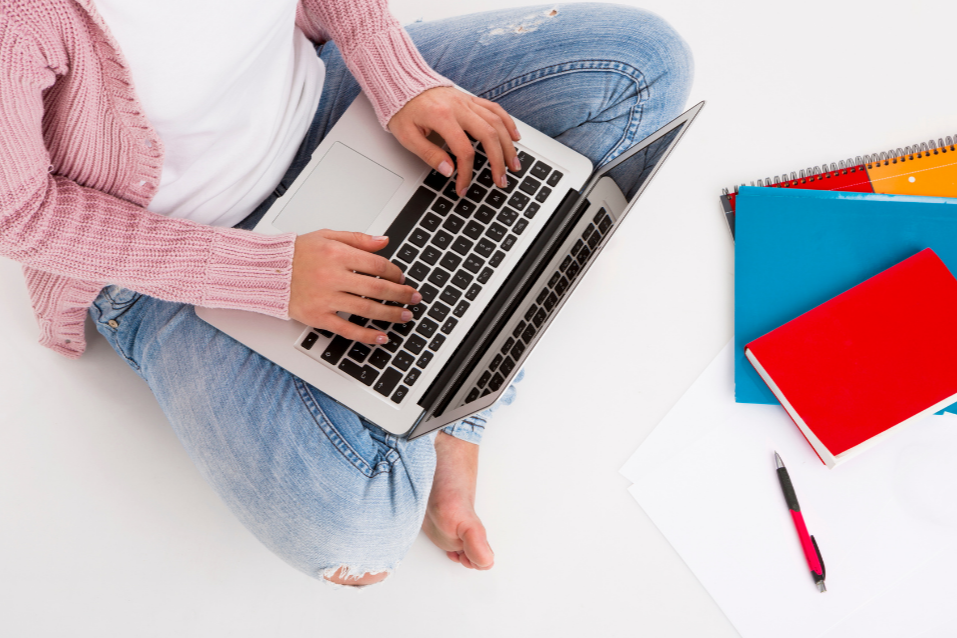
{"x": 370, "y": 449}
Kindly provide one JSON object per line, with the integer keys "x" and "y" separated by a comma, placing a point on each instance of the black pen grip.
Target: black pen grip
{"x": 789, "y": 497}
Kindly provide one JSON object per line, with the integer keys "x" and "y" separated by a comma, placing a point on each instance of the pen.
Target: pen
{"x": 811, "y": 552}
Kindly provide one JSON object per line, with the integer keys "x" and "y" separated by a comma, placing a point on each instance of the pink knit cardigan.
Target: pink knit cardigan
{"x": 79, "y": 164}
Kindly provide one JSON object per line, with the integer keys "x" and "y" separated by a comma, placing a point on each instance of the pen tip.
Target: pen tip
{"x": 820, "y": 586}
{"x": 777, "y": 461}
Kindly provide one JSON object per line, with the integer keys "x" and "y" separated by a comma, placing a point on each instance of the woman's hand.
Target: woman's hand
{"x": 452, "y": 113}
{"x": 326, "y": 279}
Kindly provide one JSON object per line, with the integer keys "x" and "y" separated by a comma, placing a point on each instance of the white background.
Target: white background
{"x": 106, "y": 528}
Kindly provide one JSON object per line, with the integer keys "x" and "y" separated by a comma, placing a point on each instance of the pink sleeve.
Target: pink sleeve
{"x": 376, "y": 49}
{"x": 50, "y": 223}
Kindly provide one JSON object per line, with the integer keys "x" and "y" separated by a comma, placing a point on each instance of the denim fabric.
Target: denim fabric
{"x": 317, "y": 484}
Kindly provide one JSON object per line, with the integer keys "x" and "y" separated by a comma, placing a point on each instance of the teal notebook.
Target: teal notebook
{"x": 795, "y": 249}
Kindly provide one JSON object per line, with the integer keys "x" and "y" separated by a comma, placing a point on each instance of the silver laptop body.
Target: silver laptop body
{"x": 495, "y": 264}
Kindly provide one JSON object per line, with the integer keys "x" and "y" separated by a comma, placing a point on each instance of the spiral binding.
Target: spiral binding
{"x": 943, "y": 145}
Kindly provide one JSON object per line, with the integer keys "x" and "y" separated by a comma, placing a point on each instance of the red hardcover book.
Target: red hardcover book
{"x": 871, "y": 360}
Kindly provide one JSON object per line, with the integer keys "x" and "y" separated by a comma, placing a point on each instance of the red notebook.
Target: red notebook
{"x": 873, "y": 359}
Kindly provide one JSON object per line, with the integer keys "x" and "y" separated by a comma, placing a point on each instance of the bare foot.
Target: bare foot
{"x": 450, "y": 520}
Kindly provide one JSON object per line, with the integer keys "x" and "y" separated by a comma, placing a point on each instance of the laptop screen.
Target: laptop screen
{"x": 634, "y": 171}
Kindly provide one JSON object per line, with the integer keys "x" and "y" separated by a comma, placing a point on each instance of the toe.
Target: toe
{"x": 476, "y": 547}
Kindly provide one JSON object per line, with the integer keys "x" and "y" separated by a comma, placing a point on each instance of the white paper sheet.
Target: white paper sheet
{"x": 883, "y": 520}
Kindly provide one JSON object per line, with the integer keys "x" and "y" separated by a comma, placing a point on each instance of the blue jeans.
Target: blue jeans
{"x": 317, "y": 484}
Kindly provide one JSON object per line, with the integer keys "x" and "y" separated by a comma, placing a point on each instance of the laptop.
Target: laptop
{"x": 494, "y": 267}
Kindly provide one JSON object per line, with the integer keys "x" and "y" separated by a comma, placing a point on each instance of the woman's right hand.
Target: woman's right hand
{"x": 331, "y": 273}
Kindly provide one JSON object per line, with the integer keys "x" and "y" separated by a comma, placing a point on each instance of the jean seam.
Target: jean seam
{"x": 113, "y": 331}
{"x": 604, "y": 66}
{"x": 335, "y": 437}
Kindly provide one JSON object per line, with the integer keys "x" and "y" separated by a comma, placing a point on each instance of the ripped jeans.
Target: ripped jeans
{"x": 318, "y": 485}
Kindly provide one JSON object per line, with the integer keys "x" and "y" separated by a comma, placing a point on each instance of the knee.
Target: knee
{"x": 342, "y": 576}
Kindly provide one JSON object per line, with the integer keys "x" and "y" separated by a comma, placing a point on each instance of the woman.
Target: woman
{"x": 140, "y": 144}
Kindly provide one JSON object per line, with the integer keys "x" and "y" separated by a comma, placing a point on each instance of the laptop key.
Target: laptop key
{"x": 450, "y": 295}
{"x": 462, "y": 279}
{"x": 431, "y": 222}
{"x": 507, "y": 366}
{"x": 604, "y": 224}
{"x": 436, "y": 342}
{"x": 463, "y": 208}
{"x": 358, "y": 320}
{"x": 324, "y": 333}
{"x": 496, "y": 382}
{"x": 461, "y": 308}
{"x": 507, "y": 345}
{"x": 336, "y": 349}
{"x": 495, "y": 232}
{"x": 572, "y": 270}
{"x": 496, "y": 198}
{"x": 588, "y": 231}
{"x": 403, "y": 360}
{"x": 526, "y": 160}
{"x": 517, "y": 333}
{"x": 387, "y": 382}
{"x": 449, "y": 325}
{"x": 418, "y": 237}
{"x": 473, "y": 394}
{"x": 554, "y": 178}
{"x": 530, "y": 312}
{"x": 484, "y": 214}
{"x": 476, "y": 193}
{"x": 520, "y": 226}
{"x": 541, "y": 170}
{"x": 518, "y": 201}
{"x": 310, "y": 340}
{"x": 593, "y": 240}
{"x": 450, "y": 191}
{"x": 584, "y": 255}
{"x": 485, "y": 275}
{"x": 438, "y": 311}
{"x": 417, "y": 310}
{"x": 484, "y": 378}
{"x": 426, "y": 328}
{"x": 543, "y": 194}
{"x": 442, "y": 240}
{"x": 507, "y": 216}
{"x": 365, "y": 374}
{"x": 404, "y": 328}
{"x": 435, "y": 180}
{"x": 408, "y": 253}
{"x": 509, "y": 242}
{"x": 529, "y": 333}
{"x": 473, "y": 229}
{"x": 430, "y": 255}
{"x": 565, "y": 264}
{"x": 462, "y": 246}
{"x": 529, "y": 185}
{"x": 551, "y": 301}
{"x": 540, "y": 317}
{"x": 380, "y": 358}
{"x": 418, "y": 270}
{"x": 442, "y": 206}
{"x": 451, "y": 261}
{"x": 518, "y": 350}
{"x": 400, "y": 394}
{"x": 424, "y": 359}
{"x": 496, "y": 259}
{"x": 533, "y": 208}
{"x": 473, "y": 292}
{"x": 428, "y": 292}
{"x": 412, "y": 377}
{"x": 439, "y": 277}
{"x": 577, "y": 247}
{"x": 485, "y": 247}
{"x": 359, "y": 352}
{"x": 553, "y": 280}
{"x": 473, "y": 264}
{"x": 485, "y": 179}
{"x": 561, "y": 286}
{"x": 497, "y": 359}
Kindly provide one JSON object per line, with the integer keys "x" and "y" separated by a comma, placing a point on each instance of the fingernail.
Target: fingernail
{"x": 382, "y": 339}
{"x": 516, "y": 134}
{"x": 416, "y": 298}
{"x": 406, "y": 315}
{"x": 503, "y": 182}
{"x": 402, "y": 281}
{"x": 516, "y": 164}
{"x": 445, "y": 168}
{"x": 380, "y": 238}
{"x": 461, "y": 192}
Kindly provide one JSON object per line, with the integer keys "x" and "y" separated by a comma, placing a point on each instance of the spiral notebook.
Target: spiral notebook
{"x": 928, "y": 169}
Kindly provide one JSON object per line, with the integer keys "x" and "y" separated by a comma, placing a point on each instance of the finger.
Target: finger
{"x": 371, "y": 309}
{"x": 491, "y": 141}
{"x": 509, "y": 154}
{"x": 371, "y": 264}
{"x": 476, "y": 547}
{"x": 349, "y": 330}
{"x": 381, "y": 289}
{"x": 363, "y": 242}
{"x": 412, "y": 138}
{"x": 461, "y": 147}
{"x": 503, "y": 114}
{"x": 465, "y": 561}
{"x": 453, "y": 556}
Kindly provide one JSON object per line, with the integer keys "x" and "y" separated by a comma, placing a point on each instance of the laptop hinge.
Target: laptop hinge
{"x": 503, "y": 305}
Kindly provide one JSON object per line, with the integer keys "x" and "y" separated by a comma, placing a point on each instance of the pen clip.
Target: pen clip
{"x": 819, "y": 557}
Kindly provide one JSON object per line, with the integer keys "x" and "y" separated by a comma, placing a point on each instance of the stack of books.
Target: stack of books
{"x": 845, "y": 305}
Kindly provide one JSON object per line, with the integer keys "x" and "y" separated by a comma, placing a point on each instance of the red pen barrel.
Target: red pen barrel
{"x": 809, "y": 552}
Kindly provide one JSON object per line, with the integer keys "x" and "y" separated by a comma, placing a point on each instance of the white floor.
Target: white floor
{"x": 107, "y": 530}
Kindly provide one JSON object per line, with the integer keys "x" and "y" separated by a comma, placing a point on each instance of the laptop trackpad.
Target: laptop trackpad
{"x": 345, "y": 191}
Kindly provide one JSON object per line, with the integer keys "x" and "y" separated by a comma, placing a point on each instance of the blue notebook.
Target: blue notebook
{"x": 795, "y": 249}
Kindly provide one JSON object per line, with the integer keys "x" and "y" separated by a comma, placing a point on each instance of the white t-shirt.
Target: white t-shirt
{"x": 231, "y": 87}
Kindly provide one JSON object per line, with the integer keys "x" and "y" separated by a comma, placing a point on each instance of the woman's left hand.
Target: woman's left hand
{"x": 452, "y": 113}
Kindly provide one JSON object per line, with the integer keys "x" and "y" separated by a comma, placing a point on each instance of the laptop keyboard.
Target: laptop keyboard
{"x": 450, "y": 248}
{"x": 511, "y": 351}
